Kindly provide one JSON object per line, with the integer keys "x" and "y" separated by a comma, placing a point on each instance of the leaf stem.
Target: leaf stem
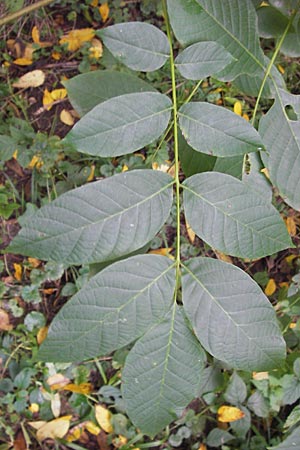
{"x": 270, "y": 65}
{"x": 176, "y": 152}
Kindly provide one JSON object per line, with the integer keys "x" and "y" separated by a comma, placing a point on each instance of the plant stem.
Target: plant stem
{"x": 176, "y": 153}
{"x": 271, "y": 63}
{"x": 21, "y": 12}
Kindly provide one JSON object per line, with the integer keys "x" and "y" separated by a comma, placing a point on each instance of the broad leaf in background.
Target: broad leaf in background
{"x": 122, "y": 125}
{"x": 217, "y": 131}
{"x": 231, "y": 316}
{"x": 232, "y": 218}
{"x": 271, "y": 22}
{"x": 201, "y": 60}
{"x": 116, "y": 307}
{"x": 87, "y": 90}
{"x": 138, "y": 45}
{"x": 191, "y": 161}
{"x": 281, "y": 138}
{"x": 99, "y": 221}
{"x": 162, "y": 373}
{"x": 232, "y": 165}
{"x": 291, "y": 442}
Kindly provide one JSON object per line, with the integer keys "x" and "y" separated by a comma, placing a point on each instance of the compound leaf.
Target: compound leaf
{"x": 281, "y": 137}
{"x": 122, "y": 124}
{"x": 87, "y": 90}
{"x": 217, "y": 131}
{"x": 162, "y": 373}
{"x": 231, "y": 316}
{"x": 114, "y": 308}
{"x": 99, "y": 221}
{"x": 233, "y": 218}
{"x": 140, "y": 46}
{"x": 201, "y": 60}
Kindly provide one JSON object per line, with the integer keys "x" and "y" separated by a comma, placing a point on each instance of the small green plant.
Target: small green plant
{"x": 174, "y": 311}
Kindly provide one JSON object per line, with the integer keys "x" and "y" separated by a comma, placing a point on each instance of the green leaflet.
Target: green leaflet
{"x": 99, "y": 221}
{"x": 217, "y": 131}
{"x": 232, "y": 218}
{"x": 122, "y": 124}
{"x": 231, "y": 316}
{"x": 281, "y": 137}
{"x": 116, "y": 307}
{"x": 162, "y": 373}
{"x": 138, "y": 45}
{"x": 87, "y": 90}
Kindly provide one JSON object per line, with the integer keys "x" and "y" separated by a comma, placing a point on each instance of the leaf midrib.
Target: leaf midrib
{"x": 131, "y": 46}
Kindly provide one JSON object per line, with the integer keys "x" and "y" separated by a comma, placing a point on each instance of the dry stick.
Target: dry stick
{"x": 23, "y": 11}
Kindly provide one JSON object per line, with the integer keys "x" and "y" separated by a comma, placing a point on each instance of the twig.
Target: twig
{"x": 23, "y": 11}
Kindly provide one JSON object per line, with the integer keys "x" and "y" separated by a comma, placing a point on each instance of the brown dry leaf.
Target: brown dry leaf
{"x": 57, "y": 381}
{"x": 54, "y": 429}
{"x": 104, "y": 11}
{"x": 41, "y": 335}
{"x": 229, "y": 414}
{"x": 291, "y": 226}
{"x": 202, "y": 447}
{"x": 4, "y": 321}
{"x": 260, "y": 376}
{"x": 34, "y": 78}
{"x": 20, "y": 441}
{"x": 82, "y": 388}
{"x": 66, "y": 117}
{"x": 271, "y": 287}
{"x": 76, "y": 38}
{"x": 18, "y": 271}
{"x": 103, "y": 417}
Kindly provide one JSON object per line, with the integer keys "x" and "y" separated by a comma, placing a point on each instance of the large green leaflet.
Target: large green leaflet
{"x": 290, "y": 443}
{"x": 232, "y": 218}
{"x": 201, "y": 60}
{"x": 116, "y": 307}
{"x": 87, "y": 90}
{"x": 122, "y": 124}
{"x": 162, "y": 373}
{"x": 138, "y": 45}
{"x": 281, "y": 137}
{"x": 231, "y": 316}
{"x": 217, "y": 131}
{"x": 99, "y": 221}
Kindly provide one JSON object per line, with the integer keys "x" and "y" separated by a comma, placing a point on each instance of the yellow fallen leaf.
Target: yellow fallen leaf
{"x": 34, "y": 78}
{"x": 260, "y": 376}
{"x": 23, "y": 61}
{"x": 56, "y": 55}
{"x": 96, "y": 50}
{"x": 190, "y": 232}
{"x": 55, "y": 429}
{"x": 246, "y": 117}
{"x": 202, "y": 447}
{"x": 124, "y": 168}
{"x": 57, "y": 381}
{"x": 35, "y": 162}
{"x": 162, "y": 167}
{"x": 50, "y": 97}
{"x": 37, "y": 424}
{"x": 104, "y": 11}
{"x": 271, "y": 287}
{"x": 34, "y": 408}
{"x": 75, "y": 38}
{"x": 47, "y": 99}
{"x": 92, "y": 173}
{"x": 35, "y": 34}
{"x": 103, "y": 417}
{"x": 229, "y": 414}
{"x": 92, "y": 428}
{"x": 59, "y": 94}
{"x": 223, "y": 257}
{"x": 237, "y": 108}
{"x": 94, "y": 3}
{"x": 82, "y": 388}
{"x": 18, "y": 271}
{"x": 55, "y": 405}
{"x": 15, "y": 155}
{"x": 292, "y": 325}
{"x": 291, "y": 226}
{"x": 162, "y": 252}
{"x": 66, "y": 117}
{"x": 75, "y": 434}
{"x": 41, "y": 335}
{"x": 289, "y": 259}
{"x": 4, "y": 321}
{"x": 281, "y": 69}
{"x": 34, "y": 262}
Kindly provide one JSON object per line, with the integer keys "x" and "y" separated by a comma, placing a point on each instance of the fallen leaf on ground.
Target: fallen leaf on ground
{"x": 41, "y": 335}
{"x": 96, "y": 50}
{"x": 57, "y": 381}
{"x": 237, "y": 108}
{"x": 4, "y": 321}
{"x": 162, "y": 252}
{"x": 75, "y": 38}
{"x": 55, "y": 429}
{"x": 104, "y": 11}
{"x": 229, "y": 414}
{"x": 103, "y": 417}
{"x": 291, "y": 226}
{"x": 66, "y": 117}
{"x": 34, "y": 78}
{"x": 271, "y": 287}
{"x": 260, "y": 376}
{"x": 50, "y": 97}
{"x": 82, "y": 388}
{"x": 18, "y": 271}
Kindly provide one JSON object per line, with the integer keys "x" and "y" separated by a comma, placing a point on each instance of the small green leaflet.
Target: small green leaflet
{"x": 122, "y": 125}
{"x": 231, "y": 316}
{"x": 99, "y": 221}
{"x": 162, "y": 373}
{"x": 233, "y": 218}
{"x": 116, "y": 307}
{"x": 217, "y": 131}
{"x": 140, "y": 46}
